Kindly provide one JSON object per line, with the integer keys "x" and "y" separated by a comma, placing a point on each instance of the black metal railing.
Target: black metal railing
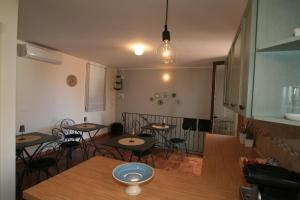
{"x": 195, "y": 139}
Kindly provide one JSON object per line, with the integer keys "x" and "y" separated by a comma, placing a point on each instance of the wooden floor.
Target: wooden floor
{"x": 177, "y": 162}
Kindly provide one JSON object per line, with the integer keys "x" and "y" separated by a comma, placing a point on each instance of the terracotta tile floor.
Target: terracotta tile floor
{"x": 178, "y": 162}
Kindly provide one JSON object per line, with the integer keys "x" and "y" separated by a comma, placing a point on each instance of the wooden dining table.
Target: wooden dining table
{"x": 92, "y": 180}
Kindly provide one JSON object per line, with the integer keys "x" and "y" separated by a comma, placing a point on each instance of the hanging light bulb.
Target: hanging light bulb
{"x": 165, "y": 51}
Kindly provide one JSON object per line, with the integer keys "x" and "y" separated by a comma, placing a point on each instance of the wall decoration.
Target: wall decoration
{"x": 163, "y": 97}
{"x": 71, "y": 80}
{"x": 156, "y": 95}
{"x": 160, "y": 102}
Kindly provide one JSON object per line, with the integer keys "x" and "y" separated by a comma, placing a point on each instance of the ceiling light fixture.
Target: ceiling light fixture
{"x": 138, "y": 49}
{"x": 165, "y": 51}
{"x": 166, "y": 77}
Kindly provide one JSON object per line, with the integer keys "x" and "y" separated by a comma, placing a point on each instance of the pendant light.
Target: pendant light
{"x": 165, "y": 51}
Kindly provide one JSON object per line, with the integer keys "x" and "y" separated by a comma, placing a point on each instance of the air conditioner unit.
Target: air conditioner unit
{"x": 39, "y": 53}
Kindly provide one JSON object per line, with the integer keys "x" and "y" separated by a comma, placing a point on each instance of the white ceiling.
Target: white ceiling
{"x": 101, "y": 30}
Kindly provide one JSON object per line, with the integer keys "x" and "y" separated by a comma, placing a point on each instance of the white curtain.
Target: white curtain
{"x": 95, "y": 87}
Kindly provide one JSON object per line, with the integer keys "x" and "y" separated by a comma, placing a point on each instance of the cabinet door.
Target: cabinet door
{"x": 235, "y": 72}
{"x": 246, "y": 46}
{"x": 227, "y": 80}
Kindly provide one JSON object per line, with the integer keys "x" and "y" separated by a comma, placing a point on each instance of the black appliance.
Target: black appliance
{"x": 270, "y": 183}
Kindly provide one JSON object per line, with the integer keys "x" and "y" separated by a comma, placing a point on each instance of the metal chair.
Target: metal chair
{"x": 188, "y": 125}
{"x": 204, "y": 125}
{"x": 67, "y": 145}
{"x": 19, "y": 175}
{"x": 46, "y": 158}
{"x": 143, "y": 154}
{"x": 69, "y": 134}
{"x": 116, "y": 129}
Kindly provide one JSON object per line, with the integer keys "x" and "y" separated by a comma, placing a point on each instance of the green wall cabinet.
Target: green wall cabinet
{"x": 269, "y": 60}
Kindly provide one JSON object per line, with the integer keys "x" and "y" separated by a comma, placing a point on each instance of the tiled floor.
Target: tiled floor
{"x": 178, "y": 162}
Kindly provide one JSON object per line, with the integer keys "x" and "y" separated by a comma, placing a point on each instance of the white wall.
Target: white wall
{"x": 8, "y": 40}
{"x": 44, "y": 98}
{"x": 192, "y": 86}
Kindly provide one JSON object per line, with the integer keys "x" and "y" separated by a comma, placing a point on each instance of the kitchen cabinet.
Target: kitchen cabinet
{"x": 235, "y": 72}
{"x": 240, "y": 65}
{"x": 269, "y": 59}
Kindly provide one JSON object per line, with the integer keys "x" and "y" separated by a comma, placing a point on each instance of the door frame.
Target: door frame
{"x": 212, "y": 107}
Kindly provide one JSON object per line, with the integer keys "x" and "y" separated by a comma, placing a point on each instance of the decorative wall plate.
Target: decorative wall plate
{"x": 72, "y": 80}
{"x": 160, "y": 102}
{"x": 156, "y": 95}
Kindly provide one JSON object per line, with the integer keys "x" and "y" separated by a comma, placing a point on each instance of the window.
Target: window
{"x": 95, "y": 87}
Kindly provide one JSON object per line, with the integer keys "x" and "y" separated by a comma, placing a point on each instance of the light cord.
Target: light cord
{"x": 167, "y": 9}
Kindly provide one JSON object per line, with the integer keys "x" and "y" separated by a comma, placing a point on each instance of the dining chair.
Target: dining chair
{"x": 204, "y": 125}
{"x": 143, "y": 155}
{"x": 46, "y": 158}
{"x": 19, "y": 173}
{"x": 69, "y": 134}
{"x": 189, "y": 125}
{"x": 68, "y": 146}
{"x": 116, "y": 129}
{"x": 100, "y": 150}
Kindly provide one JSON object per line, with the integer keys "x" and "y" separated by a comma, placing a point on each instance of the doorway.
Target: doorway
{"x": 223, "y": 119}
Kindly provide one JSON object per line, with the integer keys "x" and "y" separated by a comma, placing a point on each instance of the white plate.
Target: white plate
{"x": 292, "y": 116}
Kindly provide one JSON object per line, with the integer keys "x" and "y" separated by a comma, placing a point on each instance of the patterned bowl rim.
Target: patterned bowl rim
{"x": 133, "y": 183}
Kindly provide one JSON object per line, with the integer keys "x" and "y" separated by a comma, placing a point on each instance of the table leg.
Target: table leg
{"x": 84, "y": 144}
{"x": 121, "y": 155}
{"x": 165, "y": 143}
{"x": 92, "y": 138}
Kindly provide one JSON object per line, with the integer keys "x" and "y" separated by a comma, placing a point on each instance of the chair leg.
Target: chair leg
{"x": 48, "y": 175}
{"x": 38, "y": 176}
{"x": 146, "y": 160}
{"x": 69, "y": 151}
{"x": 82, "y": 153}
{"x": 186, "y": 149}
{"x": 169, "y": 150}
{"x": 153, "y": 162}
{"x": 57, "y": 169}
{"x": 131, "y": 157}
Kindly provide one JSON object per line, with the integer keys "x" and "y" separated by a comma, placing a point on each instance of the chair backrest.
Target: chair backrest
{"x": 66, "y": 122}
{"x": 189, "y": 124}
{"x": 204, "y": 125}
{"x": 58, "y": 133}
{"x": 117, "y": 129}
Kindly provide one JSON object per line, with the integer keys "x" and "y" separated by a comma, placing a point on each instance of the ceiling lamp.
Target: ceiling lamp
{"x": 165, "y": 51}
{"x": 138, "y": 49}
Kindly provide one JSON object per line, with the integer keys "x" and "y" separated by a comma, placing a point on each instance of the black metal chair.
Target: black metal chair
{"x": 188, "y": 125}
{"x": 204, "y": 125}
{"x": 44, "y": 160}
{"x": 67, "y": 145}
{"x": 143, "y": 155}
{"x": 116, "y": 129}
{"x": 69, "y": 134}
{"x": 19, "y": 174}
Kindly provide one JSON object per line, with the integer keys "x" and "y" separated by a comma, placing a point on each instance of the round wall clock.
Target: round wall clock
{"x": 71, "y": 80}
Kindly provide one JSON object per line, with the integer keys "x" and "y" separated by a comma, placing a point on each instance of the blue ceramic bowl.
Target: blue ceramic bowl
{"x": 133, "y": 173}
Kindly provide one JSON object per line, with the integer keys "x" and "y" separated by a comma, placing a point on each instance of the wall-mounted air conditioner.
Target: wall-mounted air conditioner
{"x": 39, "y": 53}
